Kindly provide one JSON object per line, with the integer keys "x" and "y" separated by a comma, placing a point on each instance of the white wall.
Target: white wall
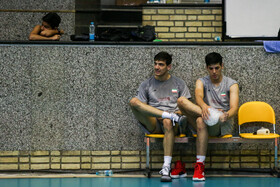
{"x": 252, "y": 18}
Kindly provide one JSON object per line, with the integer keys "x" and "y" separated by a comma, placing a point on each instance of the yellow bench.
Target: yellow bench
{"x": 248, "y": 112}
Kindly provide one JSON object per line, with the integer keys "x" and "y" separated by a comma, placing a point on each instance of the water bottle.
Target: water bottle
{"x": 104, "y": 173}
{"x": 91, "y": 32}
{"x": 217, "y": 38}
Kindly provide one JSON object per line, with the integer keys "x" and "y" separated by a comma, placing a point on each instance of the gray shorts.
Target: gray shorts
{"x": 221, "y": 129}
{"x": 159, "y": 128}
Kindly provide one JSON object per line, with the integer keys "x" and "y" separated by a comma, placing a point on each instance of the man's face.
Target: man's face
{"x": 161, "y": 68}
{"x": 45, "y": 26}
{"x": 215, "y": 71}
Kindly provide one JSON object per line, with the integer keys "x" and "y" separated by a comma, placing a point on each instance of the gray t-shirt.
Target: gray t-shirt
{"x": 163, "y": 95}
{"x": 217, "y": 97}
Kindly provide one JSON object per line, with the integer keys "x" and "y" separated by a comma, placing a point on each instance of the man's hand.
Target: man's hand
{"x": 224, "y": 117}
{"x": 49, "y": 33}
{"x": 205, "y": 112}
{"x": 55, "y": 37}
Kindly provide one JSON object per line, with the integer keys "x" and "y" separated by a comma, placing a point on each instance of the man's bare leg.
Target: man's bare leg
{"x": 193, "y": 113}
{"x": 188, "y": 108}
{"x": 168, "y": 143}
{"x": 146, "y": 114}
{"x": 169, "y": 135}
{"x": 202, "y": 137}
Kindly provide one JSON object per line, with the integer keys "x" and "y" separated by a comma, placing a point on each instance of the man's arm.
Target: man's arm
{"x": 199, "y": 95}
{"x": 35, "y": 35}
{"x": 233, "y": 103}
{"x": 52, "y": 32}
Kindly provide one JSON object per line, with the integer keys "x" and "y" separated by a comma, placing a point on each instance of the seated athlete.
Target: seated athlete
{"x": 213, "y": 91}
{"x": 155, "y": 106}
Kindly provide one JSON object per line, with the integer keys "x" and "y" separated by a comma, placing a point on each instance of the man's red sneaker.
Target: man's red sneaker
{"x": 179, "y": 170}
{"x": 199, "y": 172}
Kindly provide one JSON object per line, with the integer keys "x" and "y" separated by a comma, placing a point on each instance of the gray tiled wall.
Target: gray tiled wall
{"x": 56, "y": 97}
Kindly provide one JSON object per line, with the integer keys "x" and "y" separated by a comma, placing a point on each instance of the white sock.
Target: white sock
{"x": 171, "y": 116}
{"x": 200, "y": 158}
{"x": 166, "y": 115}
{"x": 167, "y": 161}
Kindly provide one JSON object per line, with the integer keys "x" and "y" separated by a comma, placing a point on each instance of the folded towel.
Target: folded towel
{"x": 272, "y": 46}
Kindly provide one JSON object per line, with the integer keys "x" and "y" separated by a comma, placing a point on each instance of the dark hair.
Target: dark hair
{"x": 53, "y": 19}
{"x": 213, "y": 58}
{"x": 163, "y": 56}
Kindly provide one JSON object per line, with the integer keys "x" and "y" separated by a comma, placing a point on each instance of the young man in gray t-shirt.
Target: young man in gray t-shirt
{"x": 213, "y": 91}
{"x": 155, "y": 106}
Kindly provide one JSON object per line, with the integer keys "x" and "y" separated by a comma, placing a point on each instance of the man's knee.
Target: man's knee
{"x": 181, "y": 101}
{"x": 200, "y": 124}
{"x": 167, "y": 124}
{"x": 134, "y": 102}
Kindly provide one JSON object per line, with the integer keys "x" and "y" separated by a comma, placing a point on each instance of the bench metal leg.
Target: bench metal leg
{"x": 276, "y": 153}
{"x": 276, "y": 161}
{"x": 148, "y": 171}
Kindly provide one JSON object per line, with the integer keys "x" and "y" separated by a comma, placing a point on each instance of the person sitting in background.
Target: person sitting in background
{"x": 48, "y": 30}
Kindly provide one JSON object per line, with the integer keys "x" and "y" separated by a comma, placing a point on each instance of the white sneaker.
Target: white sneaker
{"x": 182, "y": 120}
{"x": 178, "y": 119}
{"x": 165, "y": 174}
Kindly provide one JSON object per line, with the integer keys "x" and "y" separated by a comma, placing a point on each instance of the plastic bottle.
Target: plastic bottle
{"x": 91, "y": 32}
{"x": 217, "y": 38}
{"x": 104, "y": 173}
